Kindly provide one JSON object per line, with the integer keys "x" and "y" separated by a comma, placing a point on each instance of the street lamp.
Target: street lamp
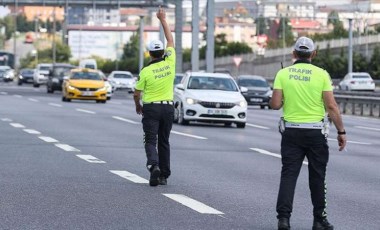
{"x": 15, "y": 33}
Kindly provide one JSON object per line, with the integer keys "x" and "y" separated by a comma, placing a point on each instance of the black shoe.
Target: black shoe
{"x": 163, "y": 181}
{"x": 283, "y": 224}
{"x": 322, "y": 225}
{"x": 154, "y": 174}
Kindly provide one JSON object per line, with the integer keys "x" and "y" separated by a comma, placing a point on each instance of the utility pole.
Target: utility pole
{"x": 178, "y": 35}
{"x": 195, "y": 36}
{"x": 14, "y": 36}
{"x": 141, "y": 49}
{"x": 54, "y": 31}
{"x": 350, "y": 56}
{"x": 210, "y": 52}
{"x": 283, "y": 40}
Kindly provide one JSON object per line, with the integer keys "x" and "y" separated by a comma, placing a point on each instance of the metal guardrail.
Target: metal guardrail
{"x": 359, "y": 105}
{"x": 122, "y": 3}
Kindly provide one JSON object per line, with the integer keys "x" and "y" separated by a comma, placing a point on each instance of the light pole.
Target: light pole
{"x": 14, "y": 35}
{"x": 141, "y": 48}
{"x": 350, "y": 46}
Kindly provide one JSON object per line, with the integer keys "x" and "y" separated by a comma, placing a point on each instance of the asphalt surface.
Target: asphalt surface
{"x": 81, "y": 165}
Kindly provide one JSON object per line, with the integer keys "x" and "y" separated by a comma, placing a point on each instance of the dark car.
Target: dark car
{"x": 259, "y": 91}
{"x": 178, "y": 78}
{"x": 25, "y": 76}
{"x": 56, "y": 75}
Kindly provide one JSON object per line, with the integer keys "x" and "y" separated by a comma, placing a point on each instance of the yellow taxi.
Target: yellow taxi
{"x": 84, "y": 84}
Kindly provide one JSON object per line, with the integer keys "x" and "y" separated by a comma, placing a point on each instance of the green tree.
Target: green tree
{"x": 285, "y": 29}
{"x": 131, "y": 49}
{"x": 374, "y": 63}
{"x": 261, "y": 25}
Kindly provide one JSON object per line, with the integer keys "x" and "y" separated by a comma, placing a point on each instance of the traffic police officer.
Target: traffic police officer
{"x": 156, "y": 81}
{"x": 304, "y": 91}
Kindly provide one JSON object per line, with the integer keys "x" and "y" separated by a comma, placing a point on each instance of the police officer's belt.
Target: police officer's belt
{"x": 160, "y": 102}
{"x": 316, "y": 125}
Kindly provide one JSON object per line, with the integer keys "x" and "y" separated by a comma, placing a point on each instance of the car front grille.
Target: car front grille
{"x": 87, "y": 89}
{"x": 219, "y": 105}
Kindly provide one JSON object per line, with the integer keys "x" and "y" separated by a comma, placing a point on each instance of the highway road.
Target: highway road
{"x": 81, "y": 165}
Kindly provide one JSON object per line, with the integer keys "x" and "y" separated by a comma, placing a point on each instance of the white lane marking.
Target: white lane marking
{"x": 32, "y": 99}
{"x": 48, "y": 139}
{"x": 3, "y": 93}
{"x": 18, "y": 96}
{"x": 32, "y": 131}
{"x": 6, "y": 119}
{"x": 85, "y": 111}
{"x": 368, "y": 128}
{"x": 353, "y": 142}
{"x": 17, "y": 125}
{"x": 189, "y": 135}
{"x": 257, "y": 126}
{"x": 265, "y": 152}
{"x": 126, "y": 120}
{"x": 193, "y": 204}
{"x": 67, "y": 148}
{"x": 130, "y": 176}
{"x": 56, "y": 105}
{"x": 90, "y": 159}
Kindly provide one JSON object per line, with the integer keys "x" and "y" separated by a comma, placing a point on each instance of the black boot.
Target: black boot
{"x": 283, "y": 224}
{"x": 154, "y": 174}
{"x": 322, "y": 224}
{"x": 163, "y": 180}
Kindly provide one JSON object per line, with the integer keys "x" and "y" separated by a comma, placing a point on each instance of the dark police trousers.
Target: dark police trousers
{"x": 157, "y": 123}
{"x": 295, "y": 145}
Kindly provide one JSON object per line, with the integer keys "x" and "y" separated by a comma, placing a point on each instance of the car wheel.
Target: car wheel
{"x": 181, "y": 119}
{"x": 176, "y": 115}
{"x": 108, "y": 98}
{"x": 19, "y": 83}
{"x": 262, "y": 106}
{"x": 63, "y": 98}
{"x": 240, "y": 125}
{"x": 36, "y": 85}
{"x": 49, "y": 90}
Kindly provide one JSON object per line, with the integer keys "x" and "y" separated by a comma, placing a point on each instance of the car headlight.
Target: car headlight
{"x": 242, "y": 103}
{"x": 71, "y": 87}
{"x": 21, "y": 77}
{"x": 269, "y": 93}
{"x": 103, "y": 88}
{"x": 191, "y": 101}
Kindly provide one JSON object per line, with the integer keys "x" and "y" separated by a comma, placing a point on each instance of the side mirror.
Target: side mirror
{"x": 243, "y": 89}
{"x": 180, "y": 87}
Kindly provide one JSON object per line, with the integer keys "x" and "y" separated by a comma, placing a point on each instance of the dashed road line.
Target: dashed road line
{"x": 18, "y": 96}
{"x": 56, "y": 105}
{"x": 67, "y": 148}
{"x": 265, "y": 152}
{"x": 32, "y": 99}
{"x": 189, "y": 135}
{"x": 256, "y": 126}
{"x": 48, "y": 139}
{"x": 17, "y": 125}
{"x": 32, "y": 131}
{"x": 6, "y": 119}
{"x": 193, "y": 204}
{"x": 367, "y": 128}
{"x": 130, "y": 176}
{"x": 91, "y": 159}
{"x": 85, "y": 111}
{"x": 3, "y": 93}
{"x": 125, "y": 120}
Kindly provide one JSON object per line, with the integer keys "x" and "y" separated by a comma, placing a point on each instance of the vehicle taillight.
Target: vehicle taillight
{"x": 352, "y": 82}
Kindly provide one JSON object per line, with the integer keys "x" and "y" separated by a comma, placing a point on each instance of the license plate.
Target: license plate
{"x": 217, "y": 112}
{"x": 256, "y": 99}
{"x": 87, "y": 93}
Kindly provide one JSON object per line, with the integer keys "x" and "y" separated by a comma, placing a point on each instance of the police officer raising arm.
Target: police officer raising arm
{"x": 156, "y": 81}
{"x": 304, "y": 91}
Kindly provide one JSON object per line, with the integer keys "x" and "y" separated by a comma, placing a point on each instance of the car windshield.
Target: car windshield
{"x": 213, "y": 83}
{"x": 89, "y": 66}
{"x": 2, "y": 71}
{"x": 61, "y": 71}
{"x": 122, "y": 75}
{"x": 44, "y": 68}
{"x": 360, "y": 77}
{"x": 253, "y": 83}
{"x": 86, "y": 76}
{"x": 27, "y": 71}
{"x": 177, "y": 79}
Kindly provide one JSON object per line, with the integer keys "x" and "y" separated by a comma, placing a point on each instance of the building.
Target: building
{"x": 43, "y": 13}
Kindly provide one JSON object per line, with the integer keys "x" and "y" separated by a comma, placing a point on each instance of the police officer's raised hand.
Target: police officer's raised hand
{"x": 342, "y": 141}
{"x": 161, "y": 15}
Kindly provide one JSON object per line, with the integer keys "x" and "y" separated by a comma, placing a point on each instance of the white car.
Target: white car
{"x": 122, "y": 80}
{"x": 110, "y": 88}
{"x": 41, "y": 74}
{"x": 210, "y": 97}
{"x": 357, "y": 81}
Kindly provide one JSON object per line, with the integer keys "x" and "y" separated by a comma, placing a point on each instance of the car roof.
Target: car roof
{"x": 64, "y": 65}
{"x": 119, "y": 71}
{"x": 205, "y": 74}
{"x": 251, "y": 77}
{"x": 84, "y": 70}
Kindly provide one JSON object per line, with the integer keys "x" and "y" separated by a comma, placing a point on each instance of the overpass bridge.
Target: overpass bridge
{"x": 107, "y": 3}
{"x": 268, "y": 64}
